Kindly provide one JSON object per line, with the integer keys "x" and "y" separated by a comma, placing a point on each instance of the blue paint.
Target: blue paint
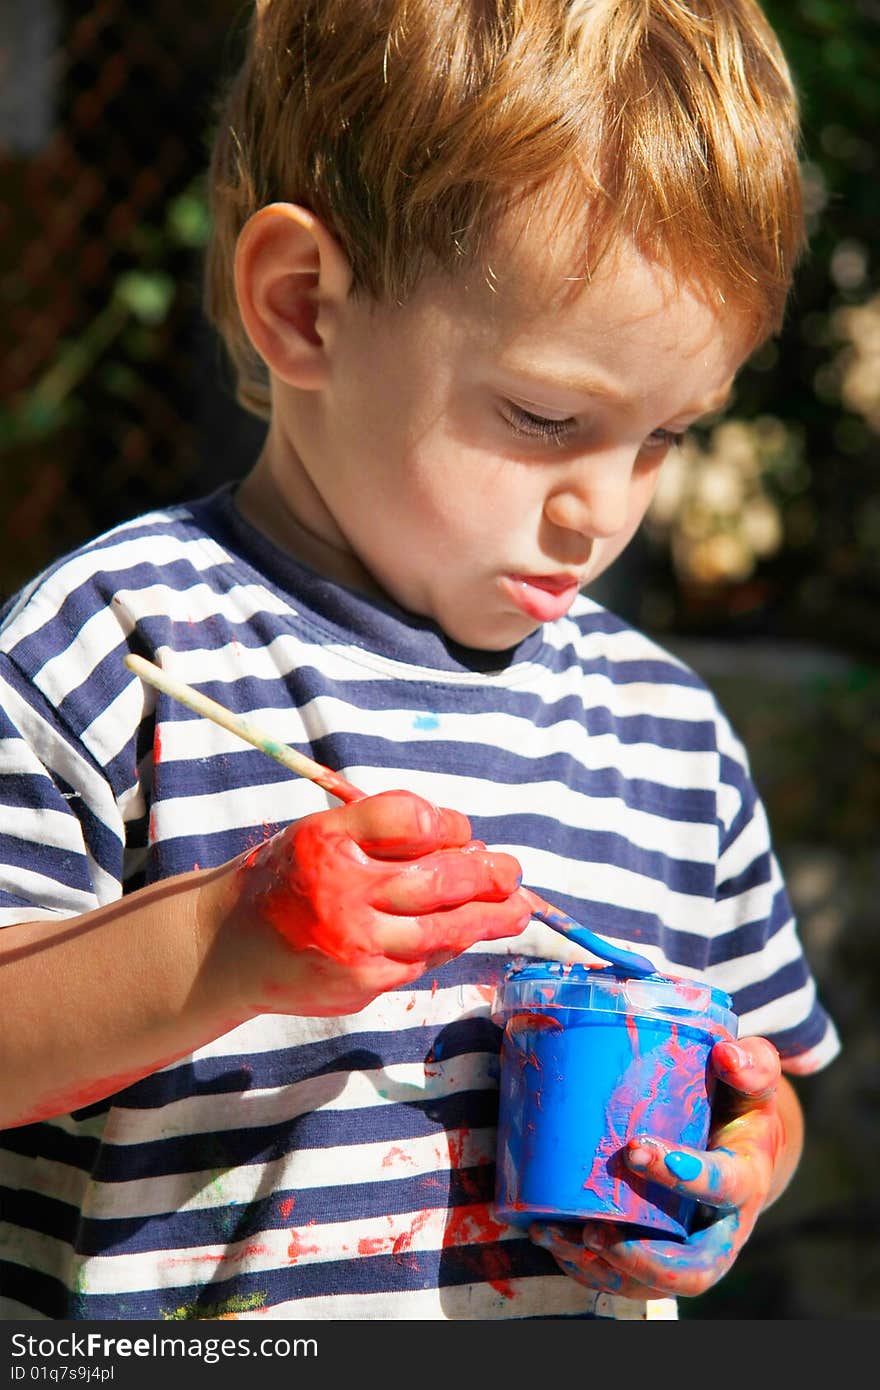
{"x": 426, "y": 721}
{"x": 684, "y": 1166}
{"x": 629, "y": 961}
{"x": 590, "y": 1060}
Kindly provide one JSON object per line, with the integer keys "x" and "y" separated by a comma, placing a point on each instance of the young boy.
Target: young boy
{"x": 480, "y": 267}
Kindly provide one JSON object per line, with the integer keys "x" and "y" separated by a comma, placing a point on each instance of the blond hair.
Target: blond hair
{"x": 411, "y": 126}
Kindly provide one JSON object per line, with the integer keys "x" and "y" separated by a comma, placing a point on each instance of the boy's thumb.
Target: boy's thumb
{"x": 401, "y": 825}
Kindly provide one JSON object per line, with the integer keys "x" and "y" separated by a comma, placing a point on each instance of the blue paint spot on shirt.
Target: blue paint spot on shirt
{"x": 426, "y": 721}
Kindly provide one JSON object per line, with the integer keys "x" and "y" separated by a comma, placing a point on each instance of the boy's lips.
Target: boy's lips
{"x": 542, "y": 596}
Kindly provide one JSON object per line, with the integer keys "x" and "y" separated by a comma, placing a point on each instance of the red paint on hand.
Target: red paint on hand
{"x": 378, "y": 891}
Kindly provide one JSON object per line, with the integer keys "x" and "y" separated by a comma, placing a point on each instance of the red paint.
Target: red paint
{"x": 297, "y": 1247}
{"x": 233, "y": 1256}
{"x": 475, "y": 1226}
{"x": 286, "y": 1206}
{"x": 322, "y": 890}
{"x": 396, "y": 1155}
{"x": 373, "y": 1245}
{"x": 403, "y": 1244}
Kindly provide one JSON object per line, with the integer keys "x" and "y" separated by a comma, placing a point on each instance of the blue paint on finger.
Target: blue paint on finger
{"x": 684, "y": 1166}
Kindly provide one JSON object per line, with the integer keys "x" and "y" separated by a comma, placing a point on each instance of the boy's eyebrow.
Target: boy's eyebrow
{"x": 604, "y": 390}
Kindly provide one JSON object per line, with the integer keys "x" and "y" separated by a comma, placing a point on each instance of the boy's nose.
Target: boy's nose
{"x": 594, "y": 502}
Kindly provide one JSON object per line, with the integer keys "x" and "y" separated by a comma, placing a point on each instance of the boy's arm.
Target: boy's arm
{"x": 92, "y": 1003}
{"x": 318, "y": 921}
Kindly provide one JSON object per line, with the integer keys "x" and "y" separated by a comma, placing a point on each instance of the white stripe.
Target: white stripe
{"x": 56, "y": 898}
{"x": 331, "y": 1091}
{"x": 113, "y": 725}
{"x": 188, "y": 738}
{"x": 459, "y": 1303}
{"x": 43, "y": 825}
{"x": 206, "y": 1189}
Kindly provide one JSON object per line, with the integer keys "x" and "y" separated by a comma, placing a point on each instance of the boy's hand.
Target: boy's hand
{"x": 365, "y": 897}
{"x": 735, "y": 1176}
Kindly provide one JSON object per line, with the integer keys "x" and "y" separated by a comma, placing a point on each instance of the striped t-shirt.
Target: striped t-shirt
{"x": 344, "y": 1167}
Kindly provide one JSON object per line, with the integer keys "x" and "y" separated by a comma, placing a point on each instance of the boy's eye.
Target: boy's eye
{"x": 663, "y": 439}
{"x": 525, "y": 422}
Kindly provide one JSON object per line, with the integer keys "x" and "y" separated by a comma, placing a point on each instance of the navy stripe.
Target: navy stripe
{"x": 786, "y": 980}
{"x": 251, "y": 768}
{"x": 285, "y": 1209}
{"x": 59, "y": 865}
{"x": 340, "y": 1055}
{"x": 38, "y": 1212}
{"x": 35, "y": 1290}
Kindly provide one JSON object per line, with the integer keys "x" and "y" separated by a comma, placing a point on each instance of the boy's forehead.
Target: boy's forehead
{"x": 537, "y": 279}
{"x": 522, "y": 310}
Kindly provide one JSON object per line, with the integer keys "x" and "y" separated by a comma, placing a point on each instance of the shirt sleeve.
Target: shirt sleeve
{"x": 774, "y": 992}
{"x": 61, "y": 830}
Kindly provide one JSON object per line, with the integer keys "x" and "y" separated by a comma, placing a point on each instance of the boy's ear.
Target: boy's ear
{"x": 291, "y": 279}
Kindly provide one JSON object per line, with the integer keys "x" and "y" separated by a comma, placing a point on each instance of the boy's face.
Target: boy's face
{"x": 491, "y": 447}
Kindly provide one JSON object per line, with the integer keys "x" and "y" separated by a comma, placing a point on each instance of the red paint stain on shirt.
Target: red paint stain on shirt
{"x": 403, "y": 1243}
{"x": 372, "y": 1245}
{"x": 396, "y": 1155}
{"x": 297, "y": 1247}
{"x": 286, "y": 1206}
{"x": 475, "y": 1226}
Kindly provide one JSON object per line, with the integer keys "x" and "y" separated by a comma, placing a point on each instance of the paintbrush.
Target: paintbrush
{"x": 340, "y": 787}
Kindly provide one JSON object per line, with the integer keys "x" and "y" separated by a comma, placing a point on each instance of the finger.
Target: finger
{"x": 584, "y": 1265}
{"x": 716, "y": 1177}
{"x": 400, "y": 825}
{"x": 447, "y": 934}
{"x": 447, "y": 879}
{"x": 685, "y": 1268}
{"x": 749, "y": 1066}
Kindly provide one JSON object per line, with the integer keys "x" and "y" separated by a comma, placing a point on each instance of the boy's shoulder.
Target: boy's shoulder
{"x": 626, "y": 654}
{"x": 171, "y": 541}
{"x": 652, "y": 689}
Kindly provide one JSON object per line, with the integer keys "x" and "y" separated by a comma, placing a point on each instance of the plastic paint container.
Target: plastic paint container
{"x": 589, "y": 1059}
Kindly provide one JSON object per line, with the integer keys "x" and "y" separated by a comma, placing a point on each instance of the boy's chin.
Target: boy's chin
{"x": 500, "y": 638}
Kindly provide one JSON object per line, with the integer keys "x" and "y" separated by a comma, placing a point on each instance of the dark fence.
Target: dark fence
{"x": 112, "y": 397}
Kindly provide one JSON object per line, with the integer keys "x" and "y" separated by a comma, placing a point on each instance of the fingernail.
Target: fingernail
{"x": 684, "y": 1166}
{"x": 542, "y": 1235}
{"x": 594, "y": 1241}
{"x": 639, "y": 1157}
{"x": 734, "y": 1056}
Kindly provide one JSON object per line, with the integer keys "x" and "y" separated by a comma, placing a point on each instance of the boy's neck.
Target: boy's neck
{"x": 264, "y": 504}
